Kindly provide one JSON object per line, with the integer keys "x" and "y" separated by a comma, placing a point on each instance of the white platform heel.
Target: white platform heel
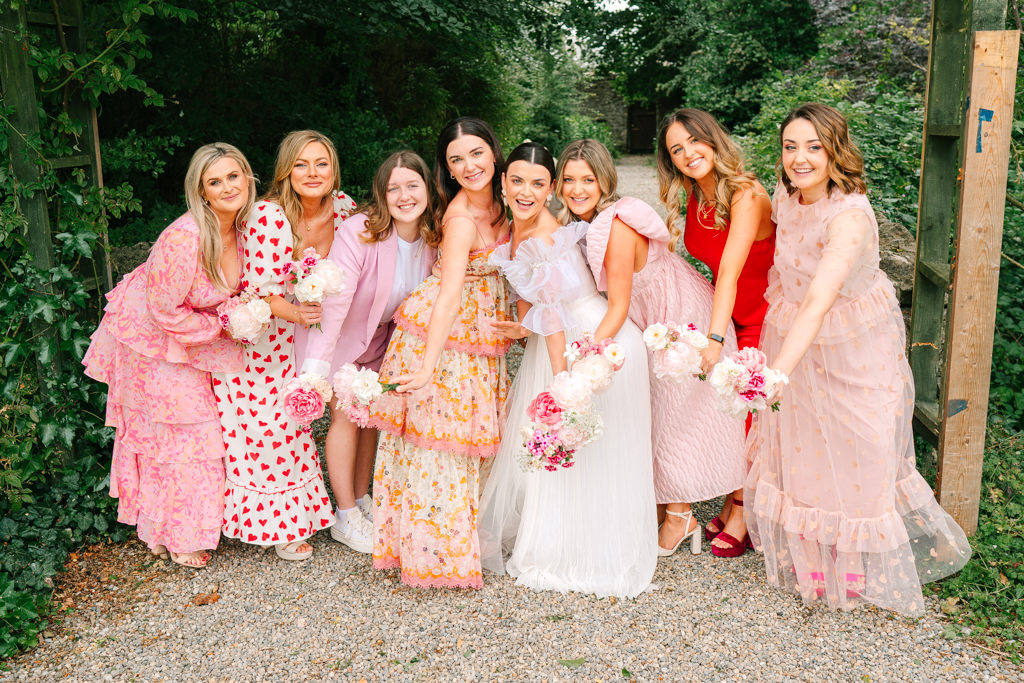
{"x": 694, "y": 535}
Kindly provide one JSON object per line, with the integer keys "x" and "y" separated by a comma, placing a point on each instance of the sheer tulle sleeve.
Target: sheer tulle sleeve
{"x": 850, "y": 236}
{"x": 268, "y": 244}
{"x": 546, "y": 276}
{"x": 172, "y": 270}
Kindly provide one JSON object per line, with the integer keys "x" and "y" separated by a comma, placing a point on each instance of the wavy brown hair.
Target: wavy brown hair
{"x": 601, "y": 165}
{"x": 845, "y": 162}
{"x": 379, "y": 222}
{"x": 447, "y": 186}
{"x": 281, "y": 191}
{"x": 210, "y": 246}
{"x": 730, "y": 176}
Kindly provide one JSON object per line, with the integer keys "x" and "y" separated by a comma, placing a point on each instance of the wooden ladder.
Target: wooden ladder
{"x": 968, "y": 115}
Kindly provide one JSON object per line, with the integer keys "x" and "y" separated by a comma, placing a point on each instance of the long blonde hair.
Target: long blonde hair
{"x": 281, "y": 191}
{"x": 845, "y": 162}
{"x": 601, "y": 165}
{"x": 210, "y": 246}
{"x": 379, "y": 222}
{"x": 730, "y": 177}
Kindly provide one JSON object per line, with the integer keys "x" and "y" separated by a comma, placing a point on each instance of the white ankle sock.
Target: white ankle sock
{"x": 359, "y": 501}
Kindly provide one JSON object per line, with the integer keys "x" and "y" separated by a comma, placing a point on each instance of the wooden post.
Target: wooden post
{"x": 985, "y": 152}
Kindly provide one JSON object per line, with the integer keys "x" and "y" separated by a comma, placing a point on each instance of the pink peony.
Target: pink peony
{"x": 545, "y": 409}
{"x": 751, "y": 358}
{"x": 302, "y": 403}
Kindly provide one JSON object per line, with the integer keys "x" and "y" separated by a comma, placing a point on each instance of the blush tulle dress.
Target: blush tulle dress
{"x": 838, "y": 507}
{"x": 698, "y": 450}
{"x": 590, "y": 528}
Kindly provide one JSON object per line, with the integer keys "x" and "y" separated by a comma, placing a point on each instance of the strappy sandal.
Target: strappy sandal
{"x": 198, "y": 562}
{"x": 736, "y": 546}
{"x": 287, "y": 551}
{"x": 719, "y": 524}
{"x": 692, "y": 535}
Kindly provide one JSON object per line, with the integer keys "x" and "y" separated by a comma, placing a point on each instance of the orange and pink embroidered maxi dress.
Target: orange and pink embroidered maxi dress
{"x": 155, "y": 348}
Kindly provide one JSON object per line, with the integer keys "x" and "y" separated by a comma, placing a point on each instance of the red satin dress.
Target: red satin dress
{"x": 706, "y": 243}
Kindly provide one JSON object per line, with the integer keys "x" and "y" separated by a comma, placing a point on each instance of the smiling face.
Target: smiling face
{"x": 526, "y": 187}
{"x": 312, "y": 174}
{"x": 225, "y": 187}
{"x": 693, "y": 158}
{"x": 406, "y": 196}
{"x": 805, "y": 160}
{"x": 581, "y": 191}
{"x": 471, "y": 160}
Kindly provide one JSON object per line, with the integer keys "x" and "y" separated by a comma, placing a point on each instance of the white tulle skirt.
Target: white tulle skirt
{"x": 591, "y": 528}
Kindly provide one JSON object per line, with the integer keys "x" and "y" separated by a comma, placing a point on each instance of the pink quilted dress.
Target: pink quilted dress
{"x": 834, "y": 499}
{"x": 698, "y": 450}
{"x": 155, "y": 348}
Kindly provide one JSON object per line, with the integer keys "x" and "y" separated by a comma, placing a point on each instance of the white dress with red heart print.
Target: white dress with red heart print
{"x": 275, "y": 488}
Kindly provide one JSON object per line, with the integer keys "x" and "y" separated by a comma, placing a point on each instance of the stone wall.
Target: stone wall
{"x": 603, "y": 103}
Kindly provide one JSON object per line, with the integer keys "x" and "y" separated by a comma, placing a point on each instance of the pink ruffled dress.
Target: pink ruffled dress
{"x": 834, "y": 498}
{"x": 155, "y": 348}
{"x": 426, "y": 480}
{"x": 698, "y": 450}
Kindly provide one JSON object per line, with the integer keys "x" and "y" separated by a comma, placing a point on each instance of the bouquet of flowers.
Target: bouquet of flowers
{"x": 675, "y": 351}
{"x": 561, "y": 420}
{"x": 561, "y": 417}
{"x": 305, "y": 397}
{"x": 356, "y": 389}
{"x": 745, "y": 383}
{"x": 311, "y": 278}
{"x": 245, "y": 317}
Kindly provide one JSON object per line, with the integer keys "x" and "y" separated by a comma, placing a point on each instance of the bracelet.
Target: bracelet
{"x": 716, "y": 337}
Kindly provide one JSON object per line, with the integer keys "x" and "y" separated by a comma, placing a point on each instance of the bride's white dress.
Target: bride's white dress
{"x": 592, "y": 527}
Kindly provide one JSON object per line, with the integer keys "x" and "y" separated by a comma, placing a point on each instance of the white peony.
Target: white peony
{"x": 614, "y": 354}
{"x": 572, "y": 393}
{"x": 311, "y": 289}
{"x": 343, "y": 379}
{"x": 694, "y": 339}
{"x": 332, "y": 276}
{"x": 243, "y": 323}
{"x": 656, "y": 336}
{"x": 366, "y": 386}
{"x": 596, "y": 370}
{"x": 726, "y": 376}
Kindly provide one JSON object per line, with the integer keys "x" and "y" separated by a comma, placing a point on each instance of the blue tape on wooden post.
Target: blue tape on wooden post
{"x": 983, "y": 115}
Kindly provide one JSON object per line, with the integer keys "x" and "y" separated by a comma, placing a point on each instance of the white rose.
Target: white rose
{"x": 572, "y": 393}
{"x": 243, "y": 325}
{"x": 310, "y": 289}
{"x": 332, "y": 275}
{"x": 366, "y": 386}
{"x": 615, "y": 354}
{"x": 595, "y": 370}
{"x": 656, "y": 336}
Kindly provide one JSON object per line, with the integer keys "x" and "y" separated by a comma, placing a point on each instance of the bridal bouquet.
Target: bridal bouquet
{"x": 675, "y": 351}
{"x": 305, "y": 397}
{"x": 356, "y": 389}
{"x": 745, "y": 383}
{"x": 245, "y": 317}
{"x": 595, "y": 361}
{"x": 312, "y": 278}
{"x": 561, "y": 420}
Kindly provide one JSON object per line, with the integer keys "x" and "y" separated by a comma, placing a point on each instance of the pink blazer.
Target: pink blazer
{"x": 351, "y": 323}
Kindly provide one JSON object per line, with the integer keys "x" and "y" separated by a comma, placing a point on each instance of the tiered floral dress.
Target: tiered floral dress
{"x": 426, "y": 480}
{"x": 275, "y": 489}
{"x": 698, "y": 450}
{"x": 591, "y": 528}
{"x": 839, "y": 509}
{"x": 155, "y": 348}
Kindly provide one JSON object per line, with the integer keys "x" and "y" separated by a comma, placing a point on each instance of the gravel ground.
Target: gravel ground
{"x": 250, "y": 616}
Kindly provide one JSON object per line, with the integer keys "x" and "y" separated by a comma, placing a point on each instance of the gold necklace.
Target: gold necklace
{"x": 705, "y": 212}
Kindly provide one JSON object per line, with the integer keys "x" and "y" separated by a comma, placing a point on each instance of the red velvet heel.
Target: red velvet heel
{"x": 736, "y": 546}
{"x": 718, "y": 522}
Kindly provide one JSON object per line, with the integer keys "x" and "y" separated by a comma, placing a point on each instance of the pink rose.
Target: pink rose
{"x": 303, "y": 404}
{"x": 545, "y": 409}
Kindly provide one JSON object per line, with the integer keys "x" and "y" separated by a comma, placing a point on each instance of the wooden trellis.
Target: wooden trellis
{"x": 972, "y": 71}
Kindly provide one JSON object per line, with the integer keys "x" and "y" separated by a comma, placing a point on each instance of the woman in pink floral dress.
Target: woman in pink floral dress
{"x": 275, "y": 493}
{"x": 840, "y": 511}
{"x": 158, "y": 341}
{"x": 450, "y": 363}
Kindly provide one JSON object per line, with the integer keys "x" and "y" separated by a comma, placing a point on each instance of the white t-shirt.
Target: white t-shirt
{"x": 407, "y": 276}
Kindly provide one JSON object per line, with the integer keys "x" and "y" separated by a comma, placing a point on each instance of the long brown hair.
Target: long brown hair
{"x": 379, "y": 222}
{"x": 730, "y": 177}
{"x": 447, "y": 186}
{"x": 599, "y": 159}
{"x": 210, "y": 246}
{"x": 281, "y": 191}
{"x": 845, "y": 163}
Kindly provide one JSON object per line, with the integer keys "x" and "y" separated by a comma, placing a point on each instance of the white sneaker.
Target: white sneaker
{"x": 354, "y": 531}
{"x": 365, "y": 505}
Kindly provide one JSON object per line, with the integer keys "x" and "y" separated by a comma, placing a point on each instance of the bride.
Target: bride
{"x": 591, "y": 528}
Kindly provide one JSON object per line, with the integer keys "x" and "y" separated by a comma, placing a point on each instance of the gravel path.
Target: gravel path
{"x": 333, "y": 617}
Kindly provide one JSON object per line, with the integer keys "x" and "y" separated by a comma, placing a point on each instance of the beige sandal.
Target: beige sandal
{"x": 198, "y": 562}
{"x": 287, "y": 551}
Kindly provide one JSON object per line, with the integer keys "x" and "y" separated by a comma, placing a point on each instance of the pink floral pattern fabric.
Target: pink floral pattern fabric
{"x": 835, "y": 500}
{"x": 426, "y": 480}
{"x": 155, "y": 347}
{"x": 275, "y": 488}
